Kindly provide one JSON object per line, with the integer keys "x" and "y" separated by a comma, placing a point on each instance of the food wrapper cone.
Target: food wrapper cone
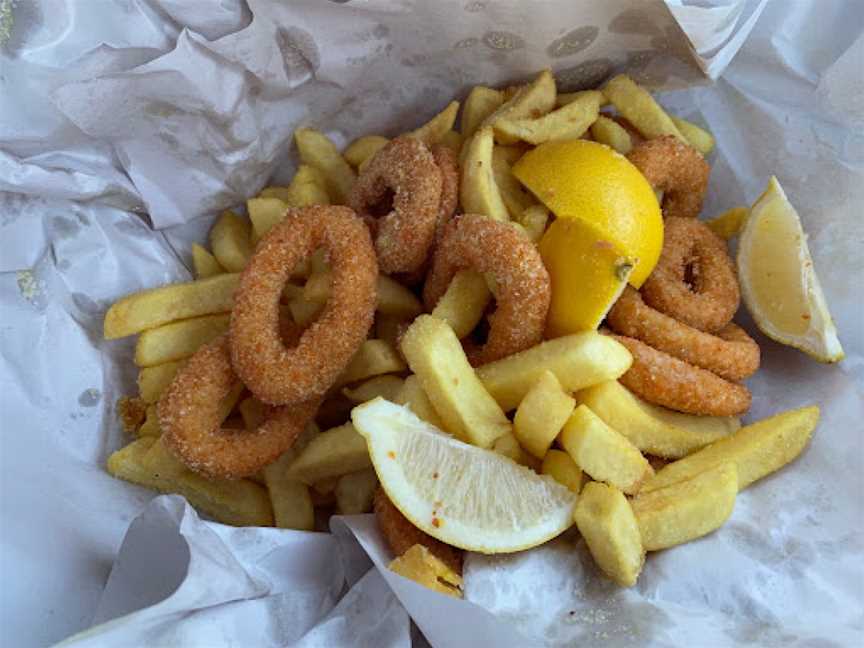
{"x": 123, "y": 132}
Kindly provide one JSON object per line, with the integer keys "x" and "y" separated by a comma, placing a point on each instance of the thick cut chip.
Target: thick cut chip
{"x": 653, "y": 429}
{"x": 604, "y": 454}
{"x": 609, "y": 132}
{"x": 152, "y": 381}
{"x": 481, "y": 103}
{"x": 364, "y": 148}
{"x": 560, "y": 466}
{"x": 205, "y": 264}
{"x": 148, "y": 463}
{"x": 393, "y": 297}
{"x": 355, "y": 491}
{"x": 334, "y": 452}
{"x": 414, "y": 398}
{"x": 387, "y": 387}
{"x": 464, "y": 303}
{"x": 373, "y": 358}
{"x": 151, "y": 308}
{"x": 757, "y": 450}
{"x": 435, "y": 355}
{"x": 607, "y": 523}
{"x": 578, "y": 361}
{"x": 686, "y": 510}
{"x": 320, "y": 153}
{"x": 541, "y": 414}
{"x": 178, "y": 340}
{"x": 529, "y": 101}
{"x": 568, "y": 122}
{"x": 697, "y": 137}
{"x": 433, "y": 131}
{"x": 478, "y": 191}
{"x": 638, "y": 107}
{"x": 423, "y": 567}
{"x": 231, "y": 241}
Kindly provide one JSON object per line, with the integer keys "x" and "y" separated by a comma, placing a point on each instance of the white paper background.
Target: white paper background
{"x": 786, "y": 570}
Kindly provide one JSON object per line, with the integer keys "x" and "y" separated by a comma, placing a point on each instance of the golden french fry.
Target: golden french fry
{"x": 178, "y": 340}
{"x": 532, "y": 100}
{"x": 152, "y": 381}
{"x": 364, "y": 148}
{"x": 452, "y": 140}
{"x": 508, "y": 446}
{"x": 686, "y": 510}
{"x": 534, "y": 220}
{"x": 354, "y": 492}
{"x": 638, "y": 107}
{"x": 607, "y": 523}
{"x": 433, "y": 131}
{"x": 423, "y": 567}
{"x": 304, "y": 312}
{"x": 602, "y": 453}
{"x": 464, "y": 303}
{"x": 510, "y": 154}
{"x": 320, "y": 153}
{"x": 515, "y": 198}
{"x": 541, "y": 414}
{"x": 728, "y": 224}
{"x": 307, "y": 187}
{"x": 481, "y": 103}
{"x": 560, "y": 466}
{"x": 265, "y": 212}
{"x": 230, "y": 240}
{"x": 611, "y": 133}
{"x": 333, "y": 453}
{"x": 375, "y": 357}
{"x": 564, "y": 98}
{"x": 435, "y": 355}
{"x": 650, "y": 428}
{"x": 414, "y": 398}
{"x": 756, "y": 450}
{"x": 151, "y": 308}
{"x": 292, "y": 504}
{"x": 478, "y": 192}
{"x": 384, "y": 386}
{"x": 393, "y": 297}
{"x": 578, "y": 361}
{"x": 205, "y": 264}
{"x": 697, "y": 137}
{"x": 568, "y": 122}
{"x": 146, "y": 462}
{"x": 150, "y": 427}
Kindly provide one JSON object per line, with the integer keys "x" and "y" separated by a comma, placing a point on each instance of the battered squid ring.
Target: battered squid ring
{"x": 278, "y": 375}
{"x": 694, "y": 280}
{"x": 675, "y": 168}
{"x": 404, "y": 235}
{"x": 665, "y": 380}
{"x": 523, "y": 294}
{"x": 401, "y": 535}
{"x": 189, "y": 417}
{"x": 448, "y": 164}
{"x": 730, "y": 353}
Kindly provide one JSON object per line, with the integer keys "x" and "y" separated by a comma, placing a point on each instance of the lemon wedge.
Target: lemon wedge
{"x": 588, "y": 272}
{"x": 468, "y": 497}
{"x": 778, "y": 281}
{"x": 594, "y": 183}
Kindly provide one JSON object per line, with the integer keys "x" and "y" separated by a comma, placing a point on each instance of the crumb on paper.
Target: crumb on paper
{"x": 28, "y": 285}
{"x": 6, "y": 20}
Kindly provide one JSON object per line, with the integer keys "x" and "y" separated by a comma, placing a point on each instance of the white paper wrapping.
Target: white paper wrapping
{"x": 112, "y": 109}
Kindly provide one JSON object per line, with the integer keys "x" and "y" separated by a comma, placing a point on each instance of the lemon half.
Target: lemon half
{"x": 588, "y": 273}
{"x": 594, "y": 183}
{"x": 778, "y": 280}
{"x": 468, "y": 497}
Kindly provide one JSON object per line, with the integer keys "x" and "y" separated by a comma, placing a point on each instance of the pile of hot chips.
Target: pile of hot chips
{"x": 562, "y": 390}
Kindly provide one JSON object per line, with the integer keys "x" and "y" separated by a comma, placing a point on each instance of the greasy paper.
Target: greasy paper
{"x": 124, "y": 131}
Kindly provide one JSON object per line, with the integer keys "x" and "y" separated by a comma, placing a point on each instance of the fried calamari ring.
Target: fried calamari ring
{"x": 406, "y": 171}
{"x": 730, "y": 353}
{"x": 189, "y": 417}
{"x": 675, "y": 168}
{"x": 448, "y": 164}
{"x": 278, "y": 375}
{"x": 665, "y": 380}
{"x": 401, "y": 535}
{"x": 523, "y": 293}
{"x": 694, "y": 281}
